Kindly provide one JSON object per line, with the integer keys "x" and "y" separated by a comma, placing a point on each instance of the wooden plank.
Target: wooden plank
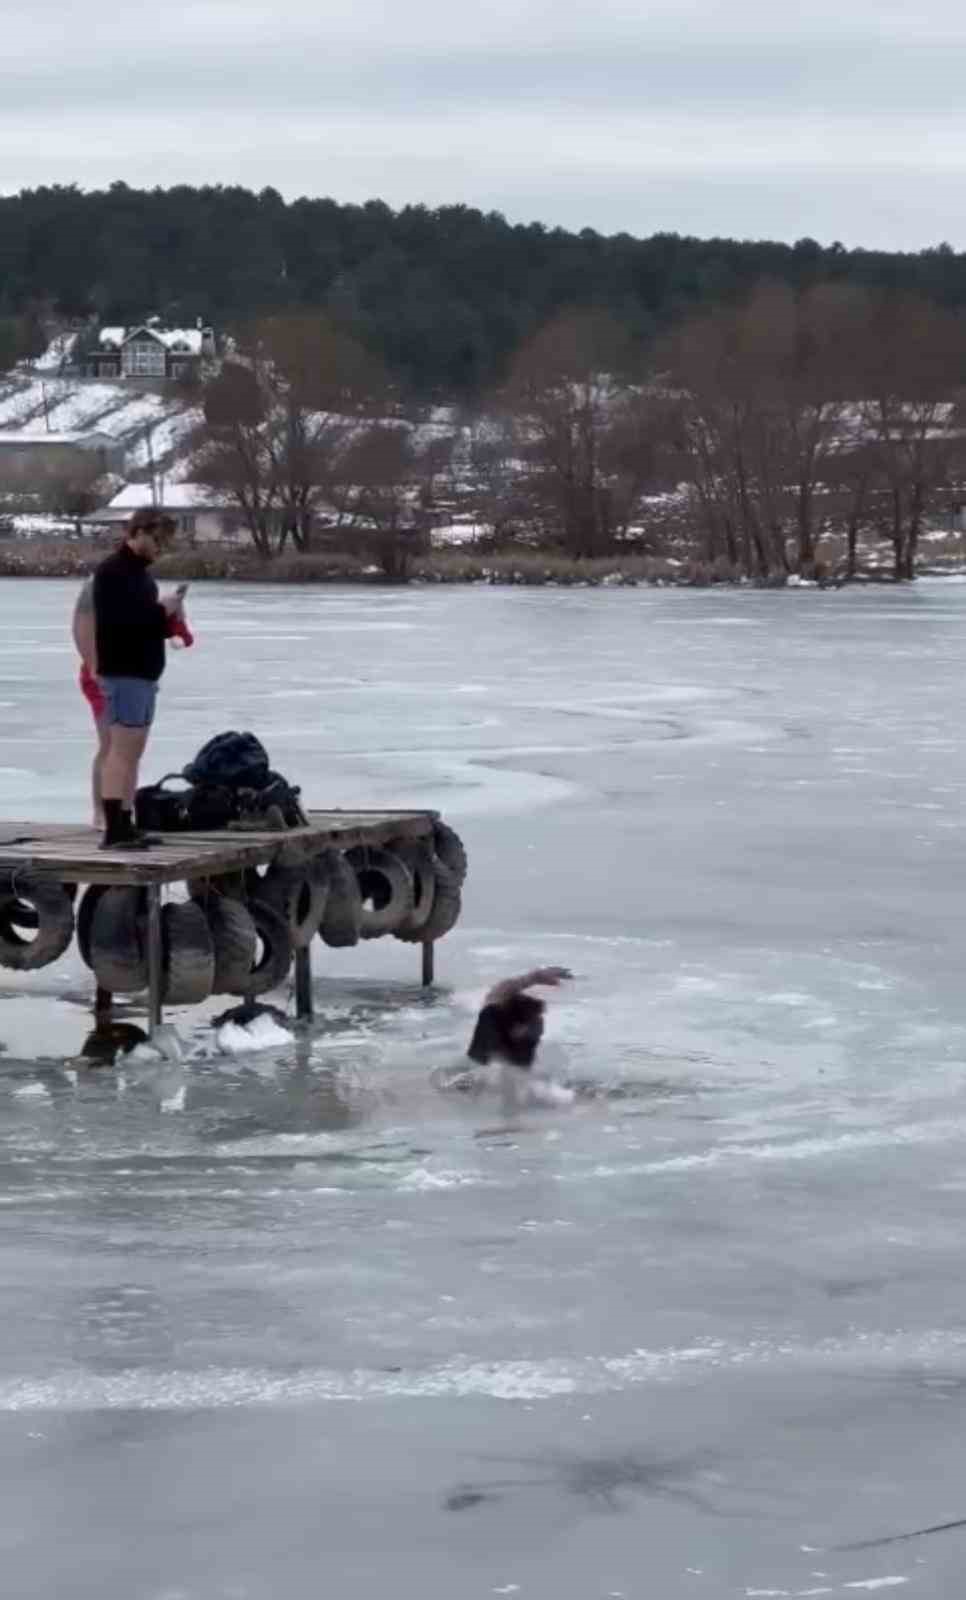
{"x": 69, "y": 851}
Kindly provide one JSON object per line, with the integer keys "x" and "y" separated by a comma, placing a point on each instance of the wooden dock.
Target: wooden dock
{"x": 69, "y": 853}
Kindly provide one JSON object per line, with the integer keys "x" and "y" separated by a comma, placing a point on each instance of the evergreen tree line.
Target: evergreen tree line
{"x": 444, "y": 297}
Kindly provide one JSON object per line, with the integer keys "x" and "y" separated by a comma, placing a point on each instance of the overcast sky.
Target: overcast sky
{"x": 747, "y": 118}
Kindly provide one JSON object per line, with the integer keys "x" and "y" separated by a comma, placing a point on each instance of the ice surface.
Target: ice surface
{"x": 293, "y": 1311}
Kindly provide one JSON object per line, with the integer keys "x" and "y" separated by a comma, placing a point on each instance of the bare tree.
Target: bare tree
{"x": 321, "y": 385}
{"x": 233, "y": 454}
{"x": 74, "y": 490}
{"x": 729, "y": 438}
{"x": 380, "y": 494}
{"x": 852, "y": 475}
{"x": 279, "y": 417}
{"x": 765, "y": 391}
{"x": 822, "y": 333}
{"x": 583, "y": 439}
{"x": 914, "y": 415}
{"x": 496, "y": 494}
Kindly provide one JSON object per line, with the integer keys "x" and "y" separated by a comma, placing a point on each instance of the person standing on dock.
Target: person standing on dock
{"x": 86, "y": 643}
{"x": 131, "y": 625}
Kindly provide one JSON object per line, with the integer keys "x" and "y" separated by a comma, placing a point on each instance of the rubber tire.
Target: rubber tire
{"x": 447, "y": 904}
{"x": 370, "y": 863}
{"x": 277, "y": 950}
{"x": 451, "y": 851}
{"x": 234, "y": 940}
{"x": 342, "y": 918}
{"x": 23, "y": 916}
{"x": 55, "y": 921}
{"x": 418, "y": 857}
{"x": 85, "y": 917}
{"x": 118, "y": 946}
{"x": 299, "y": 894}
{"x": 187, "y": 954}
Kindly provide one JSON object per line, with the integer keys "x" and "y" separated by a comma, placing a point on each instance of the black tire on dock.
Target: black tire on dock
{"x": 447, "y": 904}
{"x": 85, "y": 916}
{"x": 386, "y": 887}
{"x": 23, "y": 916}
{"x": 187, "y": 954}
{"x": 274, "y": 958}
{"x": 26, "y": 890}
{"x": 450, "y": 849}
{"x": 299, "y": 895}
{"x": 418, "y": 857}
{"x": 235, "y": 942}
{"x": 117, "y": 941}
{"x": 342, "y": 918}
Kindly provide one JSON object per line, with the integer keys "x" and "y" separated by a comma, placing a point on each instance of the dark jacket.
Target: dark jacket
{"x": 129, "y": 619}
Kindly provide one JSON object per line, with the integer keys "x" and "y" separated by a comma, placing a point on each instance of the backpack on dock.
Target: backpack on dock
{"x": 230, "y": 783}
{"x": 230, "y": 761}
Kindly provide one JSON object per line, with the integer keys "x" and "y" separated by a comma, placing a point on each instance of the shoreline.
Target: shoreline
{"x": 515, "y": 569}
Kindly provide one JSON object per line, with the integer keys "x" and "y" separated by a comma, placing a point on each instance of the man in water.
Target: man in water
{"x": 131, "y": 627}
{"x": 509, "y": 1026}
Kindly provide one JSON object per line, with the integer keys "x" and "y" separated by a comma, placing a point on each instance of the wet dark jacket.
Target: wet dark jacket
{"x": 129, "y": 619}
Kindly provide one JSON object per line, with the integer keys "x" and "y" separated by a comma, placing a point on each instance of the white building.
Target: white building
{"x": 29, "y": 461}
{"x": 202, "y": 515}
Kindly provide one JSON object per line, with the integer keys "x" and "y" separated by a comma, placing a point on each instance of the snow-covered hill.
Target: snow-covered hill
{"x": 154, "y": 428}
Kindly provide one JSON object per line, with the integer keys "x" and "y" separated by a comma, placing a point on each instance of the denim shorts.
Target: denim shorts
{"x": 130, "y": 701}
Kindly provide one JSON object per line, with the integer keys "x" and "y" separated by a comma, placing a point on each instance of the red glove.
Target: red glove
{"x": 178, "y": 629}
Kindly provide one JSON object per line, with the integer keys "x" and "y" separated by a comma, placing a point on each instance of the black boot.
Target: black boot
{"x": 119, "y": 831}
{"x": 137, "y": 838}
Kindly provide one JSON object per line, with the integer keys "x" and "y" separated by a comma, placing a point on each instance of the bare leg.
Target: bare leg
{"x": 119, "y": 769}
{"x": 103, "y": 740}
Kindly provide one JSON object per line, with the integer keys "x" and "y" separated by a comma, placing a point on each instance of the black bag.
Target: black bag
{"x": 198, "y": 809}
{"x": 231, "y": 761}
{"x": 279, "y": 792}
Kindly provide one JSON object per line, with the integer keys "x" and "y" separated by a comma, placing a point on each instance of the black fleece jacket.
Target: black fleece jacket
{"x": 129, "y": 619}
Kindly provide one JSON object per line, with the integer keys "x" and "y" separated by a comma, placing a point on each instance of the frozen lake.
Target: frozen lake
{"x": 299, "y": 1326}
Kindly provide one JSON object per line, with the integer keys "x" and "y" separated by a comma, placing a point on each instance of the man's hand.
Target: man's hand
{"x": 552, "y": 976}
{"x": 549, "y": 976}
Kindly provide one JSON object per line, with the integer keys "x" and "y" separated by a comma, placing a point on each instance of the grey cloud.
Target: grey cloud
{"x": 619, "y": 114}
{"x": 859, "y": 76}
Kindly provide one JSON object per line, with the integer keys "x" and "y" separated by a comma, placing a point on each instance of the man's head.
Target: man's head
{"x": 149, "y": 532}
{"x": 509, "y": 1030}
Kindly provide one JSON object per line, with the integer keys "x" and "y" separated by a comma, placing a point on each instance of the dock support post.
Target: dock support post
{"x": 429, "y": 962}
{"x": 303, "y": 982}
{"x": 155, "y": 974}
